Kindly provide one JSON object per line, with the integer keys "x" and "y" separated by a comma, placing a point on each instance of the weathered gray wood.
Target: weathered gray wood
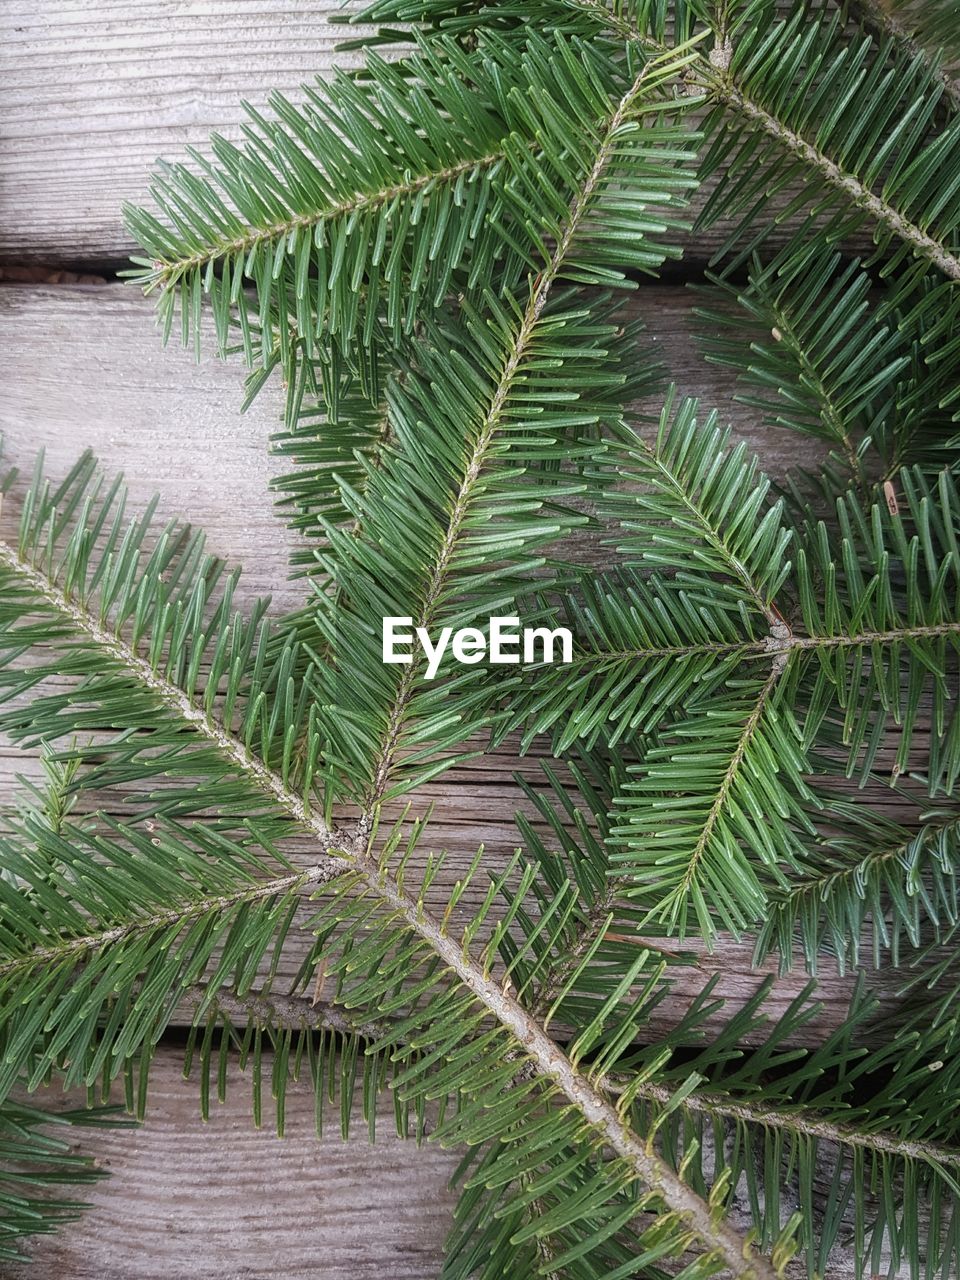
{"x": 223, "y": 1200}
{"x": 92, "y": 95}
{"x": 87, "y": 369}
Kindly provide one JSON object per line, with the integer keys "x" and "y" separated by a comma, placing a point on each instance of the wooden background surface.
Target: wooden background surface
{"x": 90, "y": 95}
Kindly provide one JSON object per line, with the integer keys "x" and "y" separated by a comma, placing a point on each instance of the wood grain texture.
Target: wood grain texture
{"x": 226, "y": 1201}
{"x": 87, "y": 369}
{"x": 222, "y": 1200}
{"x": 92, "y": 95}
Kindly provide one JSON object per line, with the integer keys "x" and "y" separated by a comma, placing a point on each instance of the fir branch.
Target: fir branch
{"x": 71, "y": 950}
{"x": 860, "y": 196}
{"x": 714, "y": 536}
{"x": 167, "y": 273}
{"x": 549, "y": 1060}
{"x": 831, "y": 416}
{"x": 881, "y": 19}
{"x": 440, "y": 145}
{"x": 554, "y": 982}
{"x": 486, "y": 435}
{"x": 898, "y": 886}
{"x": 710, "y": 73}
{"x": 167, "y": 693}
{"x": 552, "y": 1063}
{"x": 820, "y": 886}
{"x": 798, "y": 1121}
{"x": 674, "y": 904}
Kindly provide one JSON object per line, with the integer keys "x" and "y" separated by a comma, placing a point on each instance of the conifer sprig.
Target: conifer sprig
{"x": 801, "y": 106}
{"x": 171, "y": 949}
{"x": 386, "y": 194}
{"x": 434, "y": 253}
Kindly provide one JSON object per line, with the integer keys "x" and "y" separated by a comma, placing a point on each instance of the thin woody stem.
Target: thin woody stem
{"x": 168, "y": 273}
{"x": 486, "y": 434}
{"x": 287, "y": 1013}
{"x": 337, "y": 854}
{"x": 880, "y": 21}
{"x": 799, "y": 1121}
{"x": 713, "y": 78}
{"x": 774, "y": 645}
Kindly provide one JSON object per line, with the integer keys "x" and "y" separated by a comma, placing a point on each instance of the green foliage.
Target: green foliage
{"x": 826, "y": 361}
{"x": 436, "y": 253}
{"x": 689, "y": 499}
{"x": 931, "y": 27}
{"x": 879, "y": 603}
{"x": 900, "y": 879}
{"x": 383, "y": 194}
{"x": 802, "y": 95}
{"x": 37, "y": 1156}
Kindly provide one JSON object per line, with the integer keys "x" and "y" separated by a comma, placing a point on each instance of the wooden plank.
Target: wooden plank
{"x": 227, "y": 1201}
{"x": 92, "y": 95}
{"x": 224, "y": 1200}
{"x": 85, "y": 368}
